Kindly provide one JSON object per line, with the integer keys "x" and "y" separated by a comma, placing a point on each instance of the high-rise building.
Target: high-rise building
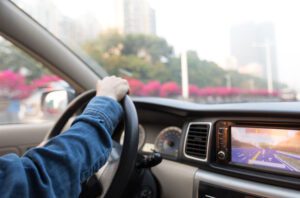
{"x": 254, "y": 47}
{"x": 70, "y": 30}
{"x": 135, "y": 16}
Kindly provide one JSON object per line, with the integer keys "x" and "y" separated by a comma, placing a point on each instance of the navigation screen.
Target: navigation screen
{"x": 266, "y": 148}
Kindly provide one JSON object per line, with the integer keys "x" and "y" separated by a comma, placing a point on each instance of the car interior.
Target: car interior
{"x": 164, "y": 147}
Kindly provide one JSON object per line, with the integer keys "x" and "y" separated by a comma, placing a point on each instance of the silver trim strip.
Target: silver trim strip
{"x": 207, "y": 145}
{"x": 244, "y": 186}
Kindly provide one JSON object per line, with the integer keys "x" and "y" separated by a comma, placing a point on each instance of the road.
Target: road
{"x": 266, "y": 158}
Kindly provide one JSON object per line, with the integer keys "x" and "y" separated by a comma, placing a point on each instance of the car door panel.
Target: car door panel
{"x": 18, "y": 138}
{"x": 171, "y": 185}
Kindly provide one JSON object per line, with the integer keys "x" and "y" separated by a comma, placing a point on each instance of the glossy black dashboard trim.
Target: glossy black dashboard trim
{"x": 183, "y": 108}
{"x": 251, "y": 174}
{"x": 269, "y": 177}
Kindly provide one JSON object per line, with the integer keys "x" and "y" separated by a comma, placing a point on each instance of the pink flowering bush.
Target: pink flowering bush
{"x": 43, "y": 81}
{"x": 220, "y": 91}
{"x": 194, "y": 90}
{"x": 206, "y": 91}
{"x": 136, "y": 86}
{"x": 262, "y": 92}
{"x": 172, "y": 89}
{"x": 169, "y": 89}
{"x": 152, "y": 88}
{"x": 13, "y": 85}
{"x": 223, "y": 91}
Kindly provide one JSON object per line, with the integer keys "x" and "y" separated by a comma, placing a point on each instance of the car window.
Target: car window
{"x": 206, "y": 51}
{"x": 27, "y": 88}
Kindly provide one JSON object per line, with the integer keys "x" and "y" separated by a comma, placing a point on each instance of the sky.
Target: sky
{"x": 204, "y": 26}
{"x": 256, "y": 136}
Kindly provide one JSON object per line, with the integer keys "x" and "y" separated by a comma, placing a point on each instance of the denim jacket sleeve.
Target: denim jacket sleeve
{"x": 58, "y": 168}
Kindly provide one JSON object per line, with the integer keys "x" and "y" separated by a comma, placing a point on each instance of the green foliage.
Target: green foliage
{"x": 144, "y": 57}
{"x": 14, "y": 59}
{"x": 138, "y": 55}
{"x": 204, "y": 73}
{"x": 110, "y": 43}
{"x": 147, "y": 57}
{"x": 150, "y": 47}
{"x": 246, "y": 81}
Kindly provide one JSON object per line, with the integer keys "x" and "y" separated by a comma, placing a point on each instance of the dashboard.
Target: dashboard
{"x": 160, "y": 138}
{"x": 230, "y": 145}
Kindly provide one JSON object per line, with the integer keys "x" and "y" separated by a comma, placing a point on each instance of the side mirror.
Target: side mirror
{"x": 55, "y": 102}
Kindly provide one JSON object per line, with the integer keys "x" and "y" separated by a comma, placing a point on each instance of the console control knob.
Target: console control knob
{"x": 221, "y": 155}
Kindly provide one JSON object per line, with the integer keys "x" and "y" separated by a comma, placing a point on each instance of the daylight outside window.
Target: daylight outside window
{"x": 199, "y": 51}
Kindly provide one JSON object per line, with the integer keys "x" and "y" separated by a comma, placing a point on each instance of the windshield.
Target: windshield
{"x": 201, "y": 51}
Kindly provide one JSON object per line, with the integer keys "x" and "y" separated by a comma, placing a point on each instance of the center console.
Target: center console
{"x": 267, "y": 148}
{"x": 248, "y": 158}
{"x": 212, "y": 185}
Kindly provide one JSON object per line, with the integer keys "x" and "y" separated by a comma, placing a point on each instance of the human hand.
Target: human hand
{"x": 113, "y": 87}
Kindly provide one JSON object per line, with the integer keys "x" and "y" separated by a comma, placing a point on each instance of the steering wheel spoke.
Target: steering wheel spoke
{"x": 108, "y": 171}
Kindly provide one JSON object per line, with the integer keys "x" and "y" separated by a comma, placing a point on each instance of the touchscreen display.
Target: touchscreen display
{"x": 266, "y": 148}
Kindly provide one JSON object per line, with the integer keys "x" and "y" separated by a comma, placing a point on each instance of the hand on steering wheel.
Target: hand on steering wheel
{"x": 118, "y": 170}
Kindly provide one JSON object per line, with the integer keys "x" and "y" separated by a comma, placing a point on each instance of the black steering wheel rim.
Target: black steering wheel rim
{"x": 130, "y": 145}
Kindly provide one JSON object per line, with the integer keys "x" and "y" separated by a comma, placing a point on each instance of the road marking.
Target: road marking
{"x": 270, "y": 158}
{"x": 241, "y": 155}
{"x": 256, "y": 155}
{"x": 289, "y": 154}
{"x": 267, "y": 164}
{"x": 290, "y": 167}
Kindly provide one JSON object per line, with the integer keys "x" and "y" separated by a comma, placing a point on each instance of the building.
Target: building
{"x": 70, "y": 30}
{"x": 135, "y": 16}
{"x": 79, "y": 30}
{"x": 254, "y": 47}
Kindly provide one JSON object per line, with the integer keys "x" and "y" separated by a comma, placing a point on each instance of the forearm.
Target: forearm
{"x": 58, "y": 168}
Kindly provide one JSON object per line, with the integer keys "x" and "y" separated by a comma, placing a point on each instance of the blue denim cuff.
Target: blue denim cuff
{"x": 103, "y": 109}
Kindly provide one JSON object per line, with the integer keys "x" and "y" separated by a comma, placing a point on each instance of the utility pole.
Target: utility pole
{"x": 267, "y": 46}
{"x": 269, "y": 67}
{"x": 228, "y": 81}
{"x": 184, "y": 75}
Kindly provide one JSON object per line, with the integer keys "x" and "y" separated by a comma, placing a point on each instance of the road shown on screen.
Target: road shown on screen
{"x": 269, "y": 148}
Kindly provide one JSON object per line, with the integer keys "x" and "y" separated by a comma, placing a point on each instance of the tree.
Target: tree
{"x": 138, "y": 56}
{"x": 147, "y": 58}
{"x": 12, "y": 58}
{"x": 204, "y": 73}
{"x": 150, "y": 47}
{"x": 106, "y": 44}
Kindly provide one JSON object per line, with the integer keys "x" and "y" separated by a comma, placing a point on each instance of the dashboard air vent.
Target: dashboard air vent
{"x": 197, "y": 140}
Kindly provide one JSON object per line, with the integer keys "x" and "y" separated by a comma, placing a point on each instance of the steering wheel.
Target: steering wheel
{"x": 115, "y": 174}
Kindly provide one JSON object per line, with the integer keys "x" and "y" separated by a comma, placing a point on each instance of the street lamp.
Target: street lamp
{"x": 184, "y": 75}
{"x": 267, "y": 46}
{"x": 228, "y": 81}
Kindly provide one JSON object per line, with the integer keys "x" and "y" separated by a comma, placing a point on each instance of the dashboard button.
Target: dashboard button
{"x": 221, "y": 131}
{"x": 221, "y": 155}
